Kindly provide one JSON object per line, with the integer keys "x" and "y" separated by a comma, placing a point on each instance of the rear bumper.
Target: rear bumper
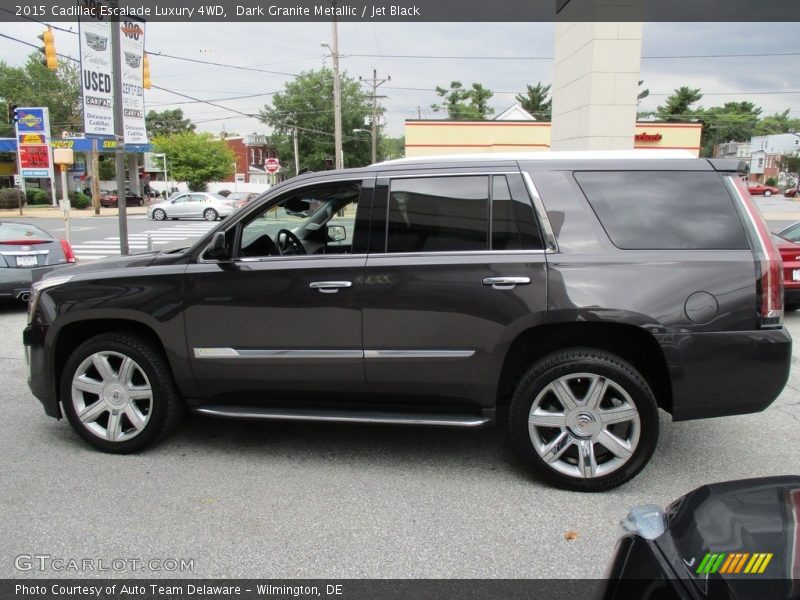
{"x": 730, "y": 373}
{"x": 15, "y": 281}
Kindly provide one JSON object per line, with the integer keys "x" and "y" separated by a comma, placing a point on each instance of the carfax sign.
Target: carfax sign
{"x": 96, "y": 77}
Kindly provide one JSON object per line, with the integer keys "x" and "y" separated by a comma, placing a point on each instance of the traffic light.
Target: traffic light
{"x": 13, "y": 117}
{"x": 50, "y": 59}
{"x": 146, "y": 74}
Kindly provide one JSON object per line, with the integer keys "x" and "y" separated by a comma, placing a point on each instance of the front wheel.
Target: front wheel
{"x": 210, "y": 214}
{"x": 159, "y": 215}
{"x": 768, "y": 193}
{"x": 584, "y": 419}
{"x": 117, "y": 393}
{"x": 140, "y": 202}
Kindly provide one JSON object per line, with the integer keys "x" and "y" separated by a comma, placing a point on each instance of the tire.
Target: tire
{"x": 210, "y": 214}
{"x": 112, "y": 421}
{"x": 767, "y": 193}
{"x": 140, "y": 202}
{"x": 569, "y": 436}
{"x": 159, "y": 215}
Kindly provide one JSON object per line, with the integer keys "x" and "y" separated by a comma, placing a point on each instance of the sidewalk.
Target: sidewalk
{"x": 48, "y": 212}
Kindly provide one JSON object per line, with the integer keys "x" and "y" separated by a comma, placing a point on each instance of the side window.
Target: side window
{"x": 312, "y": 220}
{"x": 438, "y": 214}
{"x": 664, "y": 210}
{"x": 196, "y": 198}
{"x": 513, "y": 224}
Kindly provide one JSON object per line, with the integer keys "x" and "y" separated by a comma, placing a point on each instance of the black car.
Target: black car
{"x": 572, "y": 294}
{"x": 27, "y": 253}
{"x": 731, "y": 540}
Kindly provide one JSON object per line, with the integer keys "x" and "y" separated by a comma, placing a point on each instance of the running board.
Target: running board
{"x": 344, "y": 416}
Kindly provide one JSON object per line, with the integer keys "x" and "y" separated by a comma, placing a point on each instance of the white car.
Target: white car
{"x": 192, "y": 205}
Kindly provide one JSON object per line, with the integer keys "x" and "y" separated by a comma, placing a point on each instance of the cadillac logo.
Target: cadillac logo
{"x": 26, "y": 248}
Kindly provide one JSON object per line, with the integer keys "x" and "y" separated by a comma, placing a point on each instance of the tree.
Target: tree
{"x": 33, "y": 84}
{"x": 733, "y": 121}
{"x": 167, "y": 122}
{"x": 642, "y": 94}
{"x": 307, "y": 104}
{"x": 678, "y": 106}
{"x": 790, "y": 164}
{"x": 777, "y": 123}
{"x": 391, "y": 147}
{"x": 196, "y": 158}
{"x": 464, "y": 104}
{"x": 536, "y": 101}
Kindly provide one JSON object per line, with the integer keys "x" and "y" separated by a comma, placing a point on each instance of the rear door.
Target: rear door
{"x": 456, "y": 268}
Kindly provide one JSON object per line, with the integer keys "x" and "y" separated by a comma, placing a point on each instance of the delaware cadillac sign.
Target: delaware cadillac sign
{"x": 96, "y": 76}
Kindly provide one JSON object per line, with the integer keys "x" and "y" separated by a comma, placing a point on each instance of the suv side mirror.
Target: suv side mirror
{"x": 218, "y": 249}
{"x": 336, "y": 233}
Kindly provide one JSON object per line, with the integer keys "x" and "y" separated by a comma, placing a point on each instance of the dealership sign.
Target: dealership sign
{"x": 96, "y": 77}
{"x": 131, "y": 35}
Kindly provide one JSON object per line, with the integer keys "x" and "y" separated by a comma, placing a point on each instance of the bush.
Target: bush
{"x": 79, "y": 200}
{"x": 10, "y": 197}
{"x": 37, "y": 196}
{"x": 771, "y": 181}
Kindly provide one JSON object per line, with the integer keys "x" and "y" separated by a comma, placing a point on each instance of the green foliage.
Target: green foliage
{"x": 108, "y": 171}
{"x": 732, "y": 121}
{"x": 390, "y": 147}
{"x": 33, "y": 84}
{"x": 307, "y": 103}
{"x": 790, "y": 164}
{"x": 678, "y": 106}
{"x": 36, "y": 196}
{"x": 464, "y": 104}
{"x": 771, "y": 181}
{"x": 10, "y": 198}
{"x": 536, "y": 101}
{"x": 167, "y": 122}
{"x": 196, "y": 158}
{"x": 777, "y": 123}
{"x": 643, "y": 93}
{"x": 79, "y": 200}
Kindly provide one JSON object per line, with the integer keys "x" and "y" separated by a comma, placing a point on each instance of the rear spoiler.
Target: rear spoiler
{"x": 729, "y": 165}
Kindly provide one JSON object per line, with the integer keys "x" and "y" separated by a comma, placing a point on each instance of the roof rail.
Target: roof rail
{"x": 548, "y": 155}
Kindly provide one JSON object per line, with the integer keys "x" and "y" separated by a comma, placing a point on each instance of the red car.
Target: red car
{"x": 760, "y": 189}
{"x": 788, "y": 245}
{"x": 791, "y": 192}
{"x": 109, "y": 200}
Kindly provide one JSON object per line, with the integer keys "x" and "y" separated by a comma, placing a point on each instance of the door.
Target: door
{"x": 459, "y": 271}
{"x": 179, "y": 206}
{"x": 281, "y": 321}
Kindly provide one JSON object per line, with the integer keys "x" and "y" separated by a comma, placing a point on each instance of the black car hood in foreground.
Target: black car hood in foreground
{"x": 143, "y": 259}
{"x": 738, "y": 540}
{"x": 745, "y": 518}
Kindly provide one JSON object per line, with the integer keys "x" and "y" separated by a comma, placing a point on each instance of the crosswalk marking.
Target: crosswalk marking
{"x": 109, "y": 246}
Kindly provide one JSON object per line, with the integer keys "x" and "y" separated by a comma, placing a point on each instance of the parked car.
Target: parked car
{"x": 790, "y": 192}
{"x": 736, "y": 539}
{"x": 242, "y": 199}
{"x": 192, "y": 205}
{"x": 788, "y": 243}
{"x": 109, "y": 200}
{"x": 761, "y": 189}
{"x": 27, "y": 253}
{"x": 574, "y": 293}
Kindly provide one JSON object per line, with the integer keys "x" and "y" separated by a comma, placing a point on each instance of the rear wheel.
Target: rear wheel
{"x": 210, "y": 214}
{"x": 159, "y": 215}
{"x": 767, "y": 193}
{"x": 141, "y": 202}
{"x": 584, "y": 420}
{"x": 117, "y": 393}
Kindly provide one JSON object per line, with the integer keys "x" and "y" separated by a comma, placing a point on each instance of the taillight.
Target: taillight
{"x": 770, "y": 278}
{"x": 68, "y": 253}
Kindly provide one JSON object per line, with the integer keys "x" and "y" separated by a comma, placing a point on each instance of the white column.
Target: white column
{"x": 595, "y": 77}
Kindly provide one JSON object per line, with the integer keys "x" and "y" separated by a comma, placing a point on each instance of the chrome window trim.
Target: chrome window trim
{"x": 488, "y": 173}
{"x": 26, "y": 253}
{"x": 541, "y": 213}
{"x": 487, "y": 253}
{"x": 227, "y": 353}
{"x": 255, "y": 259}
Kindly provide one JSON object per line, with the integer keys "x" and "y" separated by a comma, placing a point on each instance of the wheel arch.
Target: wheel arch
{"x": 629, "y": 342}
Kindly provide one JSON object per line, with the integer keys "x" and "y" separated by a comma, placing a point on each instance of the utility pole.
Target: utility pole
{"x": 95, "y": 168}
{"x": 119, "y": 135}
{"x": 296, "y": 152}
{"x": 376, "y": 83}
{"x": 337, "y": 94}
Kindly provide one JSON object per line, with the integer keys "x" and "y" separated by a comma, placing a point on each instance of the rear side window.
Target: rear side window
{"x": 438, "y": 214}
{"x": 513, "y": 224}
{"x": 664, "y": 210}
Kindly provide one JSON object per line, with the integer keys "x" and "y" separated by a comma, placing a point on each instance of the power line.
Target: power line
{"x": 483, "y": 57}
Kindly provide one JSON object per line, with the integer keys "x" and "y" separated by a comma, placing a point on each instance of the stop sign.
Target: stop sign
{"x": 272, "y": 165}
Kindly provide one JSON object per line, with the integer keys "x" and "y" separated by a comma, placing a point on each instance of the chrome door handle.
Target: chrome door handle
{"x": 329, "y": 287}
{"x": 506, "y": 283}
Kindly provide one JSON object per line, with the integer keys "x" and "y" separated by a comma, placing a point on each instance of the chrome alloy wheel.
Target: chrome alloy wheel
{"x": 584, "y": 425}
{"x": 112, "y": 396}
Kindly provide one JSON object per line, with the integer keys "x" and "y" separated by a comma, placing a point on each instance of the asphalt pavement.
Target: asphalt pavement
{"x": 278, "y": 500}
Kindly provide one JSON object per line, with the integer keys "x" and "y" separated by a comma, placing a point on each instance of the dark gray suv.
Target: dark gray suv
{"x": 568, "y": 295}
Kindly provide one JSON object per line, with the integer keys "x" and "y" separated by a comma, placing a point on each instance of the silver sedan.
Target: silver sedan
{"x": 192, "y": 205}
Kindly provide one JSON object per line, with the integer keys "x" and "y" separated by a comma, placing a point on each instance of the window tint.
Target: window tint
{"x": 513, "y": 223}
{"x": 438, "y": 214}
{"x": 671, "y": 210}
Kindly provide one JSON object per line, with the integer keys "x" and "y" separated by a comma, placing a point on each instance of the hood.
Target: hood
{"x": 121, "y": 262}
{"x": 718, "y": 532}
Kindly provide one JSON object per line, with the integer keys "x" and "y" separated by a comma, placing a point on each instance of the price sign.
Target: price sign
{"x": 34, "y": 161}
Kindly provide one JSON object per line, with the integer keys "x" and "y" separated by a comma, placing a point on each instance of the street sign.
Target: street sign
{"x": 272, "y": 165}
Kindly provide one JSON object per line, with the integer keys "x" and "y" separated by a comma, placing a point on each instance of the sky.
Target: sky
{"x": 289, "y": 48}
